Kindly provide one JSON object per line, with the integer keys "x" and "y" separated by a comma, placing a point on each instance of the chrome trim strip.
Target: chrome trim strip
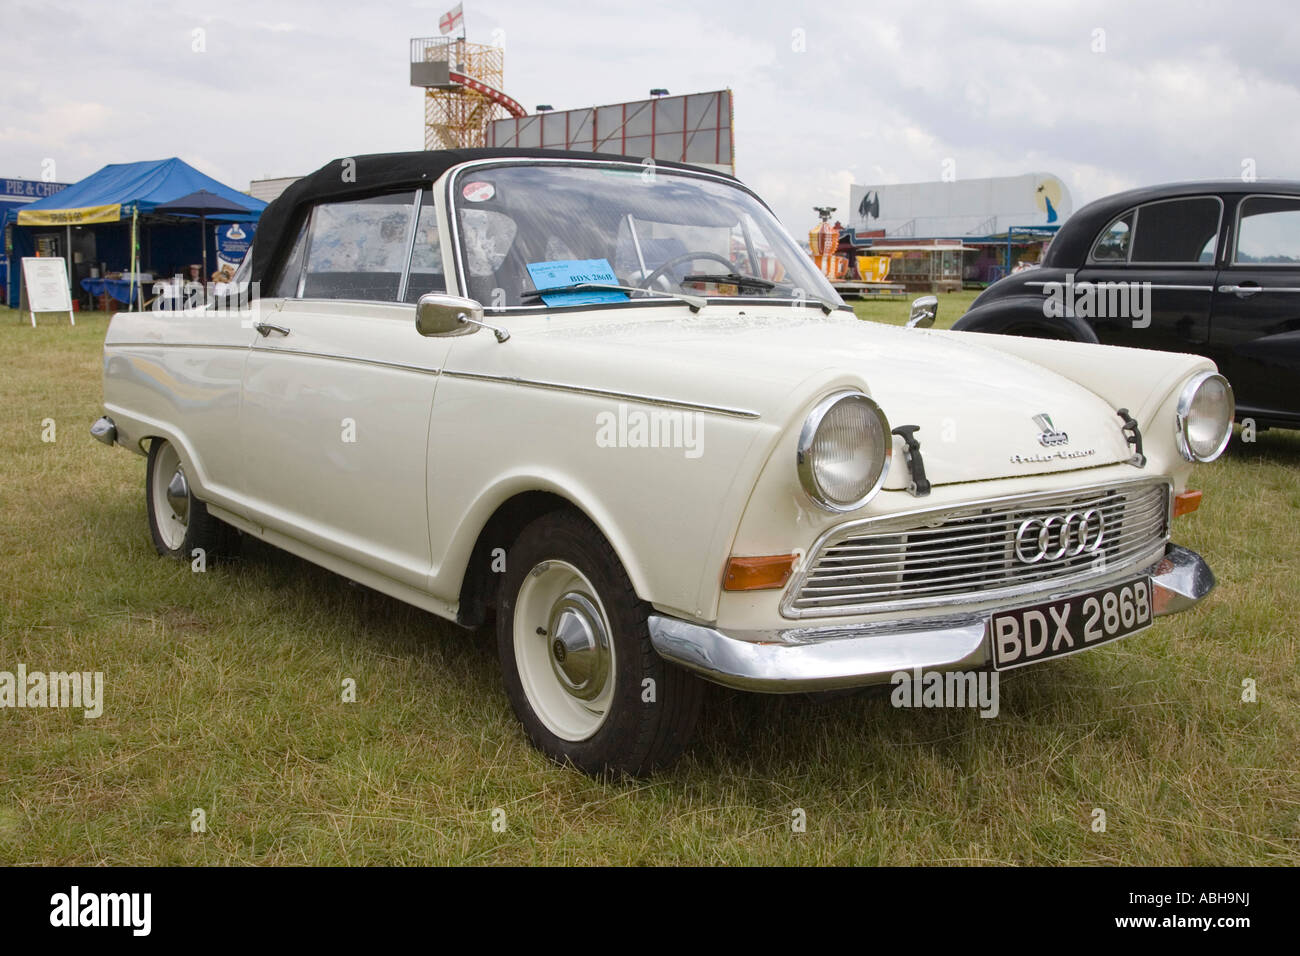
{"x": 401, "y": 366}
{"x": 919, "y": 519}
{"x": 1254, "y": 289}
{"x": 604, "y": 393}
{"x": 1153, "y": 285}
{"x": 308, "y": 224}
{"x": 661, "y": 300}
{"x": 175, "y": 345}
{"x": 802, "y": 659}
{"x": 264, "y": 350}
{"x": 405, "y": 281}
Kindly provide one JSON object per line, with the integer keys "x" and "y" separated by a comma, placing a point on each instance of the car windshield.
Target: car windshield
{"x": 526, "y": 228}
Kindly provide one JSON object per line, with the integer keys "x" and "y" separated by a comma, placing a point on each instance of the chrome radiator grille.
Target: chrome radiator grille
{"x": 969, "y": 553}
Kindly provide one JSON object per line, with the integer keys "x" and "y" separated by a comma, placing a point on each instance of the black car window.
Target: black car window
{"x": 359, "y": 249}
{"x": 1269, "y": 232}
{"x": 1112, "y": 244}
{"x": 1176, "y": 231}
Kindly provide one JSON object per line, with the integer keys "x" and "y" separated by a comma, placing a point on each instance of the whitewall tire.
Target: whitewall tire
{"x": 178, "y": 522}
{"x": 576, "y": 656}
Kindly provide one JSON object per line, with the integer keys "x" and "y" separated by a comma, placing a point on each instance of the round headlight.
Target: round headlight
{"x": 1205, "y": 412}
{"x": 844, "y": 451}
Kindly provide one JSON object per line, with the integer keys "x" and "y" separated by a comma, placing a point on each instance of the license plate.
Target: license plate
{"x": 1030, "y": 634}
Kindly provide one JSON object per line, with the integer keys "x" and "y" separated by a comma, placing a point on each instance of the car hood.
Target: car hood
{"x": 982, "y": 413}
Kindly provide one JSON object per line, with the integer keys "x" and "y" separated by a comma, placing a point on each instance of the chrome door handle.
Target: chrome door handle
{"x": 1241, "y": 291}
{"x": 265, "y": 328}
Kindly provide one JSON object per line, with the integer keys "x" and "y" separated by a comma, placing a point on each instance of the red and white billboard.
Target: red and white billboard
{"x": 696, "y": 128}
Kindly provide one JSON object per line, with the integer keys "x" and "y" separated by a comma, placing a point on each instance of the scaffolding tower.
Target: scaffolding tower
{"x": 462, "y": 89}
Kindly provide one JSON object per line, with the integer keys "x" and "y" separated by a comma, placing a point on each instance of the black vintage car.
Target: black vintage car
{"x": 1210, "y": 267}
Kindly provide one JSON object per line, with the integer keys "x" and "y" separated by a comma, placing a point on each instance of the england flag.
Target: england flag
{"x": 452, "y": 19}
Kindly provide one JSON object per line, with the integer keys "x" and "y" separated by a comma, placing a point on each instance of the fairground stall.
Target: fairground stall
{"x": 116, "y": 239}
{"x": 16, "y": 194}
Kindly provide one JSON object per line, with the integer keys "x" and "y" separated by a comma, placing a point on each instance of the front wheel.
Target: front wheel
{"x": 576, "y": 656}
{"x": 178, "y": 522}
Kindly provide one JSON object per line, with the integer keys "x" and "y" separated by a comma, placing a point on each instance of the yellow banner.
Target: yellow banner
{"x": 69, "y": 217}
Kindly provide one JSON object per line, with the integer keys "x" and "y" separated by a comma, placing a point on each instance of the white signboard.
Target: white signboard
{"x": 696, "y": 129}
{"x": 962, "y": 209}
{"x": 45, "y": 282}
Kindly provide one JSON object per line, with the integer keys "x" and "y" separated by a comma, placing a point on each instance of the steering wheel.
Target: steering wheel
{"x": 686, "y": 257}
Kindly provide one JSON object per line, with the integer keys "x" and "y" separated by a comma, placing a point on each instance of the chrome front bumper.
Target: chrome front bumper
{"x": 828, "y": 657}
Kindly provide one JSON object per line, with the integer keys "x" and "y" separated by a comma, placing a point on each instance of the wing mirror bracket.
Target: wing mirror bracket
{"x": 437, "y": 314}
{"x": 925, "y": 309}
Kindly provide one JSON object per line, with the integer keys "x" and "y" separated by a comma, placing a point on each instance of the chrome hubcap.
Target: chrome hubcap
{"x": 564, "y": 650}
{"x": 579, "y": 646}
{"x": 178, "y": 496}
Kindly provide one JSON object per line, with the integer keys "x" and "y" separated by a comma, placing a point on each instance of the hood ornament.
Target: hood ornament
{"x": 1049, "y": 436}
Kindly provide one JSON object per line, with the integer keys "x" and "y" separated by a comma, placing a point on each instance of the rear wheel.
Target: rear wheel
{"x": 178, "y": 522}
{"x": 576, "y": 656}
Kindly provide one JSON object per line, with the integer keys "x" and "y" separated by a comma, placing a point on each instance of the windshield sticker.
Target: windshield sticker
{"x": 478, "y": 192}
{"x": 567, "y": 272}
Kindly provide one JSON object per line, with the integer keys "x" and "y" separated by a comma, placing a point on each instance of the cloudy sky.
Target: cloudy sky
{"x": 1105, "y": 95}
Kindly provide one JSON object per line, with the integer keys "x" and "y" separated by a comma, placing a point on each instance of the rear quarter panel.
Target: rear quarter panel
{"x": 177, "y": 375}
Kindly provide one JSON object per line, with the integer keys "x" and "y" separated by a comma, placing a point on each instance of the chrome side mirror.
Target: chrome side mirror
{"x": 437, "y": 314}
{"x": 925, "y": 310}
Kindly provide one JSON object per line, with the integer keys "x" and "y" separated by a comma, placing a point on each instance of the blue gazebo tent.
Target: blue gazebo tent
{"x": 119, "y": 206}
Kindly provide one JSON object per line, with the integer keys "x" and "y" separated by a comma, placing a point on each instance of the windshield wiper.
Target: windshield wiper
{"x": 695, "y": 302}
{"x": 753, "y": 282}
{"x": 732, "y": 278}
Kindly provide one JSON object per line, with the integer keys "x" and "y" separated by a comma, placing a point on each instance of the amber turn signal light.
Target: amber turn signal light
{"x": 757, "y": 573}
{"x": 1185, "y": 502}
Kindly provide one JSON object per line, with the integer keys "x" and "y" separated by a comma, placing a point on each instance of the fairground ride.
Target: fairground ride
{"x": 462, "y": 90}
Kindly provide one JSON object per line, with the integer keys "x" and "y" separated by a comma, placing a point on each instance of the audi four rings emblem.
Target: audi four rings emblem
{"x": 1059, "y": 536}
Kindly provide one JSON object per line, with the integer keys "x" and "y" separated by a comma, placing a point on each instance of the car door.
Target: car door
{"x": 1156, "y": 266}
{"x": 339, "y": 386}
{"x": 1256, "y": 317}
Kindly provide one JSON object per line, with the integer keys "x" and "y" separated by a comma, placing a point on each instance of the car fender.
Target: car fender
{"x": 1015, "y": 316}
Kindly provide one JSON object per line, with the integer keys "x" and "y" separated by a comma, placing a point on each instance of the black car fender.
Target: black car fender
{"x": 1023, "y": 315}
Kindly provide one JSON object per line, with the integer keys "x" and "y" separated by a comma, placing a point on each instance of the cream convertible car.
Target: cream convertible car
{"x": 614, "y": 406}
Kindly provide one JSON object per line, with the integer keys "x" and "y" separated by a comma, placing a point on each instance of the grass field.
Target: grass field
{"x": 223, "y": 693}
{"x": 895, "y": 310}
